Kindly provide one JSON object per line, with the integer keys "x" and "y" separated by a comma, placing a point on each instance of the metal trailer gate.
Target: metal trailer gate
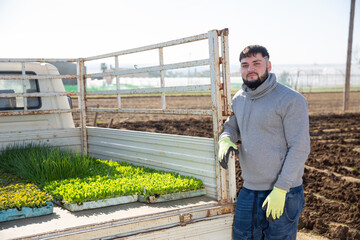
{"x": 219, "y": 86}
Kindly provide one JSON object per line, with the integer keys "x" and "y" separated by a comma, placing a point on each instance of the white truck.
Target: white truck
{"x": 34, "y": 108}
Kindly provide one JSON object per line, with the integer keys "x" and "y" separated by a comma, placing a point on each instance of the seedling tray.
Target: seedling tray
{"x": 26, "y": 212}
{"x": 171, "y": 196}
{"x": 74, "y": 207}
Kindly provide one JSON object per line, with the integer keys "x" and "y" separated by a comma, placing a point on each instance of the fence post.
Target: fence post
{"x": 348, "y": 61}
{"x": 82, "y": 103}
{"x": 221, "y": 184}
{"x": 225, "y": 67}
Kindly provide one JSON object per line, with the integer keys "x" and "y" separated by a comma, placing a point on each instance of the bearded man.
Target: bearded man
{"x": 272, "y": 123}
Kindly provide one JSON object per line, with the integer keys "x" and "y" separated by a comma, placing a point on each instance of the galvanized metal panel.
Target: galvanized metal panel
{"x": 190, "y": 156}
{"x": 64, "y": 138}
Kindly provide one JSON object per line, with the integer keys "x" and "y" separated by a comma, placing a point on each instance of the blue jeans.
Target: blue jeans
{"x": 250, "y": 220}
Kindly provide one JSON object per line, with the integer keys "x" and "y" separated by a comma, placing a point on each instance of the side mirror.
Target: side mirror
{"x": 70, "y": 102}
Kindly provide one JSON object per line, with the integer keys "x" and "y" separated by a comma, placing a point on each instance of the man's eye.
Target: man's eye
{"x": 244, "y": 66}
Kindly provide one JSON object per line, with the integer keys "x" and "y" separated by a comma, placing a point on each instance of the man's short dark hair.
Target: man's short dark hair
{"x": 252, "y": 50}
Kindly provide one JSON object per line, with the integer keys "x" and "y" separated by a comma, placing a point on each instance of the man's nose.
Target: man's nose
{"x": 251, "y": 68}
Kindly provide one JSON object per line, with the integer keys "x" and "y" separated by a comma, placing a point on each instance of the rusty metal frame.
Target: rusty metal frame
{"x": 216, "y": 100}
{"x": 226, "y": 102}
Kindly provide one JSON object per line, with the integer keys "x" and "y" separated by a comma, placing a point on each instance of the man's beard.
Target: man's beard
{"x": 256, "y": 83}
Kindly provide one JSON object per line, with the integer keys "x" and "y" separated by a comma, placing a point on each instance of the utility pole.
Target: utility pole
{"x": 348, "y": 61}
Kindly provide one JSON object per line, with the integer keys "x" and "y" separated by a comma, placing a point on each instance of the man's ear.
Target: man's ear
{"x": 269, "y": 66}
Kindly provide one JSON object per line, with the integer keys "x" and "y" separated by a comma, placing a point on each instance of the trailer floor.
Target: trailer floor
{"x": 63, "y": 219}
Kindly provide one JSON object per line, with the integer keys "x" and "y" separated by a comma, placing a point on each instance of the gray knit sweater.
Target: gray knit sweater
{"x": 273, "y": 125}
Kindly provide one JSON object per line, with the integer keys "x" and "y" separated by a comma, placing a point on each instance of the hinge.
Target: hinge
{"x": 221, "y": 87}
{"x": 224, "y": 32}
{"x": 185, "y": 218}
{"x": 227, "y": 114}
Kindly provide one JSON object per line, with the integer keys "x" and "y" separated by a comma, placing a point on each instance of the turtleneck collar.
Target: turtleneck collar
{"x": 267, "y": 86}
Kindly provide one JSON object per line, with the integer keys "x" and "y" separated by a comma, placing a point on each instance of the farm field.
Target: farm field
{"x": 332, "y": 174}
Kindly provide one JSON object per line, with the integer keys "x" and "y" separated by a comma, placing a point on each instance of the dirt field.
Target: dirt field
{"x": 319, "y": 103}
{"x": 332, "y": 174}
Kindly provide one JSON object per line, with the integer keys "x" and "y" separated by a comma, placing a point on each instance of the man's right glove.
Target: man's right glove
{"x": 225, "y": 146}
{"x": 274, "y": 204}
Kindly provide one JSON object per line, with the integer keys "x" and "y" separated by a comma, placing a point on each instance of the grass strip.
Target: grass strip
{"x": 40, "y": 163}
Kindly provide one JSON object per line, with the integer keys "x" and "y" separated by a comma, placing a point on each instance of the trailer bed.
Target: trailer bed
{"x": 65, "y": 223}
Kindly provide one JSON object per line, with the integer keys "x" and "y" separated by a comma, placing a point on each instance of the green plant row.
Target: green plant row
{"x": 16, "y": 192}
{"x": 39, "y": 163}
{"x": 72, "y": 178}
{"x": 129, "y": 180}
{"x": 22, "y": 195}
{"x": 77, "y": 190}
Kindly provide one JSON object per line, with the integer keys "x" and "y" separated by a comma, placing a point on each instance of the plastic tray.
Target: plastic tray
{"x": 171, "y": 196}
{"x": 26, "y": 212}
{"x": 74, "y": 207}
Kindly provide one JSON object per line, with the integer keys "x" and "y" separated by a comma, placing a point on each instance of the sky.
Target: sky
{"x": 293, "y": 31}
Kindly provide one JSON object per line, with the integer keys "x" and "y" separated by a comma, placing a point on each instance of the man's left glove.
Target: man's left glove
{"x": 225, "y": 146}
{"x": 274, "y": 204}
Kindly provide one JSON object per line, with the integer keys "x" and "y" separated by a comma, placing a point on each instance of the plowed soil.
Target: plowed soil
{"x": 331, "y": 178}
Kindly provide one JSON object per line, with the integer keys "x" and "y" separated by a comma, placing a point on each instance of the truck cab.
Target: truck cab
{"x": 15, "y": 101}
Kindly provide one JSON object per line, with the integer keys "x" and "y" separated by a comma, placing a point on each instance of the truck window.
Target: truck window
{"x": 16, "y": 86}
